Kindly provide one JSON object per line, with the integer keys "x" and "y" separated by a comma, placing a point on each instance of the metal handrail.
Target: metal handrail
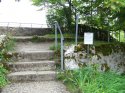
{"x": 76, "y": 37}
{"x": 8, "y": 24}
{"x": 57, "y": 27}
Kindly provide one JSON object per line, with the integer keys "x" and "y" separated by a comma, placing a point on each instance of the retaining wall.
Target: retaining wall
{"x": 115, "y": 61}
{"x": 23, "y": 31}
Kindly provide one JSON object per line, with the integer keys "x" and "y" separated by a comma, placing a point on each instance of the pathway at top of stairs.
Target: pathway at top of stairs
{"x": 34, "y": 71}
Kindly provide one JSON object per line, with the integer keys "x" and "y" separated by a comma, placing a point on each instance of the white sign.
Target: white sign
{"x": 88, "y": 38}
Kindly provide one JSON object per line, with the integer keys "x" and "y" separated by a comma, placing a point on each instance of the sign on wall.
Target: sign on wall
{"x": 88, "y": 38}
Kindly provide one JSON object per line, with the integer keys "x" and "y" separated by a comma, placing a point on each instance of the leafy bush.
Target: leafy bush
{"x": 90, "y": 80}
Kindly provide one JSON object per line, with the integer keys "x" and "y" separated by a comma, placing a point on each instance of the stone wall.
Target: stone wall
{"x": 24, "y": 31}
{"x": 115, "y": 61}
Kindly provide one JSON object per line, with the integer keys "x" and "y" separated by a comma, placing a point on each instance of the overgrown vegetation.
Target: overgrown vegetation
{"x": 90, "y": 80}
{"x": 5, "y": 47}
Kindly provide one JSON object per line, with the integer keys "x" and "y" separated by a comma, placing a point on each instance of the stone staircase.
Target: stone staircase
{"x": 33, "y": 65}
{"x": 33, "y": 70}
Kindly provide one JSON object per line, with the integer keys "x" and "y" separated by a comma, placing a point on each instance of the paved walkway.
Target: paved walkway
{"x": 34, "y": 87}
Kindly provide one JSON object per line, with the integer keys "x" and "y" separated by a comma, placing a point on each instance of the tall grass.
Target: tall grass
{"x": 90, "y": 80}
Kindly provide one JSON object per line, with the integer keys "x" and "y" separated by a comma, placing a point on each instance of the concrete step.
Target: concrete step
{"x": 26, "y": 76}
{"x": 33, "y": 38}
{"x": 35, "y": 55}
{"x": 32, "y": 66}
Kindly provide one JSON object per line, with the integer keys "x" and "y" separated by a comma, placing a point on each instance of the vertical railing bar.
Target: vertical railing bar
{"x": 19, "y": 25}
{"x": 62, "y": 47}
{"x": 108, "y": 36}
{"x": 8, "y": 26}
{"x": 62, "y": 63}
{"x": 31, "y": 26}
{"x": 59, "y": 29}
{"x": 76, "y": 39}
{"x": 41, "y": 26}
{"x": 56, "y": 41}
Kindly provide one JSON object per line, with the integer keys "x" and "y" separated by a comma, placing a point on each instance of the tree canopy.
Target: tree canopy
{"x": 103, "y": 14}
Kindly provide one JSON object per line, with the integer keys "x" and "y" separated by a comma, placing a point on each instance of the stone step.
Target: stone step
{"x": 26, "y": 76}
{"x": 35, "y": 55}
{"x": 32, "y": 38}
{"x": 32, "y": 66}
{"x": 25, "y": 31}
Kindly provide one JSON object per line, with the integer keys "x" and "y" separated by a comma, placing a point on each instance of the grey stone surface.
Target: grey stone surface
{"x": 29, "y": 51}
{"x": 115, "y": 61}
{"x": 35, "y": 55}
{"x": 31, "y": 38}
{"x": 25, "y": 76}
{"x": 24, "y": 31}
{"x": 30, "y": 78}
{"x": 32, "y": 46}
{"x": 32, "y": 66}
{"x": 36, "y": 87}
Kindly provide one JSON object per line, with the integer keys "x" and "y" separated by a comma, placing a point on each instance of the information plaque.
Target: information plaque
{"x": 88, "y": 38}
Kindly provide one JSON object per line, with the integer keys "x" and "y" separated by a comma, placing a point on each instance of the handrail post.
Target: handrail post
{"x": 8, "y": 26}
{"x": 76, "y": 39}
{"x": 62, "y": 44}
{"x": 31, "y": 26}
{"x": 62, "y": 56}
{"x": 108, "y": 36}
{"x": 56, "y": 41}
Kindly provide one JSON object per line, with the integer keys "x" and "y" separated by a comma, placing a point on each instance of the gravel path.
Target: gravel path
{"x": 36, "y": 87}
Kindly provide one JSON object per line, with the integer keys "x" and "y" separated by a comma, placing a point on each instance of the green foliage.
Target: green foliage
{"x": 122, "y": 37}
{"x": 107, "y": 49}
{"x": 90, "y": 80}
{"x": 5, "y": 48}
{"x": 35, "y": 38}
{"x": 58, "y": 11}
{"x": 66, "y": 35}
{"x": 102, "y": 14}
{"x": 3, "y": 79}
